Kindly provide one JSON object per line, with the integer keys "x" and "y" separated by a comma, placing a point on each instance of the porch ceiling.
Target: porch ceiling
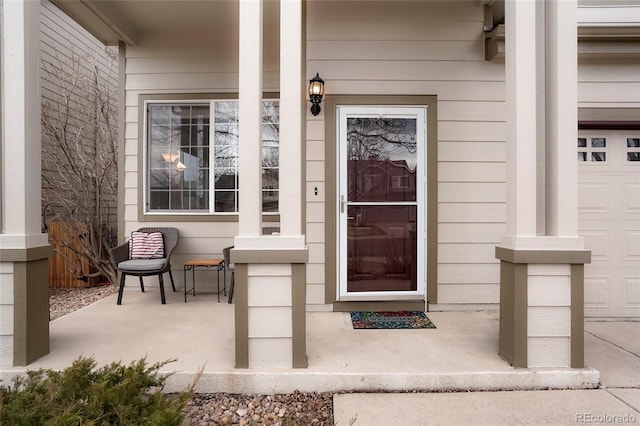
{"x": 113, "y": 20}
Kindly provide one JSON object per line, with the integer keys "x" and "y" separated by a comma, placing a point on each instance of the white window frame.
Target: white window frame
{"x": 212, "y": 192}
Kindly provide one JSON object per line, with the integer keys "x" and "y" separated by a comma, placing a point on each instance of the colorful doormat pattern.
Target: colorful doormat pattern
{"x": 403, "y": 319}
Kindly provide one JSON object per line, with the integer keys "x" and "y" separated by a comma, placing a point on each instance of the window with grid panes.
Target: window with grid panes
{"x": 192, "y": 157}
{"x": 633, "y": 149}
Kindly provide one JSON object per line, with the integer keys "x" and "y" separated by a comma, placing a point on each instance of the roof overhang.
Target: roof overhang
{"x": 101, "y": 20}
{"x": 603, "y": 33}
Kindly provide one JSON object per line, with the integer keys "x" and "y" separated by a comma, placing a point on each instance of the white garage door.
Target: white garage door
{"x": 609, "y": 220}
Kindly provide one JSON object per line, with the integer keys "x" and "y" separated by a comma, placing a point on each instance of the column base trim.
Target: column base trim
{"x": 297, "y": 258}
{"x": 514, "y": 284}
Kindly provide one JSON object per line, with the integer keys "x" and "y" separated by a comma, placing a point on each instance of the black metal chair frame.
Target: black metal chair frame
{"x": 227, "y": 267}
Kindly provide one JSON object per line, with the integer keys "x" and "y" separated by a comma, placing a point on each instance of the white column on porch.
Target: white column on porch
{"x": 21, "y": 191}
{"x": 541, "y": 254}
{"x": 521, "y": 63}
{"x": 562, "y": 118}
{"x": 270, "y": 276}
{"x": 541, "y": 87}
{"x": 250, "y": 116}
{"x": 291, "y": 118}
{"x": 23, "y": 247}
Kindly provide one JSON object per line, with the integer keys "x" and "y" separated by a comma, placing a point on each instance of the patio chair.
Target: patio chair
{"x": 142, "y": 267}
{"x": 228, "y": 266}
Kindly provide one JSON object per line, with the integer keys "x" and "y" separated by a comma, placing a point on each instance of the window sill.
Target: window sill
{"x": 201, "y": 217}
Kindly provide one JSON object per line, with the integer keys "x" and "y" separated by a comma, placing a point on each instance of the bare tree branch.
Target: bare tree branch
{"x": 80, "y": 162}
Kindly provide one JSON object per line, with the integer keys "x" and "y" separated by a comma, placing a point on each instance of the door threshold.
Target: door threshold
{"x": 379, "y": 306}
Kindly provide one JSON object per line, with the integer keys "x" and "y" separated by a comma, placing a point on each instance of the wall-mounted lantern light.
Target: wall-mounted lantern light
{"x": 316, "y": 92}
{"x": 180, "y": 166}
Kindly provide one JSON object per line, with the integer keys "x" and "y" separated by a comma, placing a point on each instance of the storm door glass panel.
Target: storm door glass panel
{"x": 381, "y": 159}
{"x": 382, "y": 248}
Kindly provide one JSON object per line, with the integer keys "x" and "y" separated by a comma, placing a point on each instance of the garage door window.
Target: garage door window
{"x": 592, "y": 149}
{"x": 633, "y": 149}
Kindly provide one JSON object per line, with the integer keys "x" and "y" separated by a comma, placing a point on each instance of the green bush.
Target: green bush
{"x": 83, "y": 395}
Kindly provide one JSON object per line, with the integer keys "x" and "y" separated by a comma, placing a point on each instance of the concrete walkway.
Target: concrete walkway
{"x": 611, "y": 347}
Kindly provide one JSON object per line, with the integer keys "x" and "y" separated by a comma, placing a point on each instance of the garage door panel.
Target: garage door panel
{"x": 597, "y": 293}
{"x": 609, "y": 221}
{"x": 631, "y": 197}
{"x": 632, "y": 292}
{"x": 594, "y": 197}
{"x": 631, "y": 245}
{"x": 598, "y": 241}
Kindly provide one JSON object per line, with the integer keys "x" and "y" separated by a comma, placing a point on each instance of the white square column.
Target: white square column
{"x": 270, "y": 274}
{"x": 562, "y": 118}
{"x": 292, "y": 101}
{"x": 250, "y": 116}
{"x": 21, "y": 188}
{"x": 522, "y": 83}
{"x": 542, "y": 258}
{"x": 24, "y": 249}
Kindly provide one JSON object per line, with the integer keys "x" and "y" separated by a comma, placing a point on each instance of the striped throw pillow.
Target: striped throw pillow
{"x": 143, "y": 245}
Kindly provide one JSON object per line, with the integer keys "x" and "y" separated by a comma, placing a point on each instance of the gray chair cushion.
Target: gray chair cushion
{"x": 139, "y": 265}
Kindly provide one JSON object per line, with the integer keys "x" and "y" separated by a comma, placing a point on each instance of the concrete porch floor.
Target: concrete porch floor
{"x": 460, "y": 354}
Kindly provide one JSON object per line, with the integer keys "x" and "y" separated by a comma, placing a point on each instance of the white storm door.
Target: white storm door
{"x": 381, "y": 207}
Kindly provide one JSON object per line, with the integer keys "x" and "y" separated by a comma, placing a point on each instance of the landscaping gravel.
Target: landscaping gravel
{"x": 291, "y": 409}
{"x": 220, "y": 408}
{"x": 65, "y": 300}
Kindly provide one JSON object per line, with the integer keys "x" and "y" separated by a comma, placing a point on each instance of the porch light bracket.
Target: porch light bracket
{"x": 316, "y": 92}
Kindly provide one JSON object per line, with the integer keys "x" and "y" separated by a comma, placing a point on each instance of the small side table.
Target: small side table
{"x": 212, "y": 264}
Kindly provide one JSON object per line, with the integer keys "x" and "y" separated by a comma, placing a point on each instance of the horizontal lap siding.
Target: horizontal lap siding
{"x": 427, "y": 48}
{"x": 167, "y": 63}
{"x": 609, "y": 85}
{"x": 206, "y": 62}
{"x": 63, "y": 41}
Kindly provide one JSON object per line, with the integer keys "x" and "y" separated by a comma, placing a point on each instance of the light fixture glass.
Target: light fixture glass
{"x": 170, "y": 157}
{"x": 180, "y": 166}
{"x": 316, "y": 92}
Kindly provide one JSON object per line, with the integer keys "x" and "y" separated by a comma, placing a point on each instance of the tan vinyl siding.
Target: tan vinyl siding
{"x": 168, "y": 64}
{"x": 426, "y": 48}
{"x": 61, "y": 42}
{"x": 609, "y": 85}
{"x": 381, "y": 48}
{"x": 6, "y": 312}
{"x": 175, "y": 64}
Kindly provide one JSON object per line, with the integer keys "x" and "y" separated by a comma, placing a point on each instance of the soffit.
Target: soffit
{"x": 112, "y": 21}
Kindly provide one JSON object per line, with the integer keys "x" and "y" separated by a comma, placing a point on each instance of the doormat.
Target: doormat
{"x": 403, "y": 319}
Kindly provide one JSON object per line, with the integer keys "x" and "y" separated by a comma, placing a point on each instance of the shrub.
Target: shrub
{"x": 83, "y": 395}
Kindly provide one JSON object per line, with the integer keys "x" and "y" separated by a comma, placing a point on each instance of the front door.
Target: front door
{"x": 381, "y": 207}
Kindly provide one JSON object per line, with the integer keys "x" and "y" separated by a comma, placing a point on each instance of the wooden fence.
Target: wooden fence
{"x": 60, "y": 265}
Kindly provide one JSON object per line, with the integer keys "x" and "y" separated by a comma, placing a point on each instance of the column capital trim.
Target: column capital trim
{"x": 543, "y": 256}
